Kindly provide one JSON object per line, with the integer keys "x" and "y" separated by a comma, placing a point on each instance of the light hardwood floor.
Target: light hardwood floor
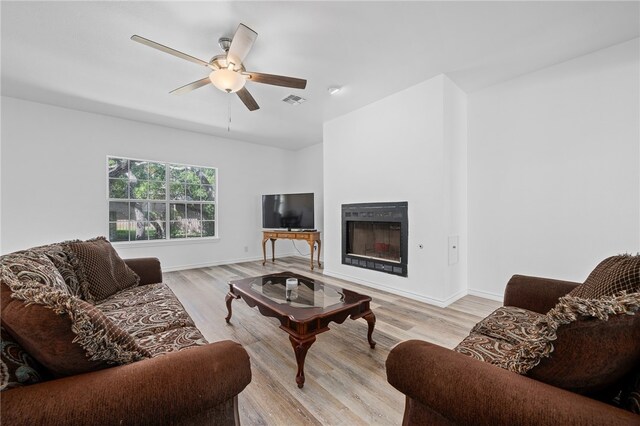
{"x": 345, "y": 379}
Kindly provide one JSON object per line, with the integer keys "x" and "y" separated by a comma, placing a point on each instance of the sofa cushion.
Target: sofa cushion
{"x": 17, "y": 367}
{"x": 63, "y": 333}
{"x": 152, "y": 317}
{"x": 508, "y": 323}
{"x": 173, "y": 340}
{"x": 136, "y": 296}
{"x": 105, "y": 271}
{"x": 612, "y": 276}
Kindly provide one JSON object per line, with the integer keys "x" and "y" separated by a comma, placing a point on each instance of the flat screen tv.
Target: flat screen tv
{"x": 288, "y": 211}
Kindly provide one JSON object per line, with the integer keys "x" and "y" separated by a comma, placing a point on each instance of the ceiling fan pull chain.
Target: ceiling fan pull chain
{"x": 229, "y": 112}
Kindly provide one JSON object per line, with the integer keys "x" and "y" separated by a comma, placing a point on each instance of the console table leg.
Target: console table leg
{"x": 264, "y": 251}
{"x": 300, "y": 347}
{"x": 228, "y": 299}
{"x": 319, "y": 245}
{"x": 273, "y": 250}
{"x": 311, "y": 246}
{"x": 371, "y": 321}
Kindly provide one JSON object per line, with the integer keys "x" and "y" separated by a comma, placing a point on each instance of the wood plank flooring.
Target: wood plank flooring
{"x": 345, "y": 379}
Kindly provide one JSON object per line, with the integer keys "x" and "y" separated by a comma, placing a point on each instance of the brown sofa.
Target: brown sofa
{"x": 509, "y": 371}
{"x": 150, "y": 364}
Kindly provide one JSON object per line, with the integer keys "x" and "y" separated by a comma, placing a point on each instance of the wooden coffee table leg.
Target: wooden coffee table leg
{"x": 371, "y": 321}
{"x": 229, "y": 298}
{"x": 300, "y": 347}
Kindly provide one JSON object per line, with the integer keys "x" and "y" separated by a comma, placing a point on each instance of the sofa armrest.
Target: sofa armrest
{"x": 462, "y": 390}
{"x": 147, "y": 268}
{"x": 534, "y": 293}
{"x": 163, "y": 390}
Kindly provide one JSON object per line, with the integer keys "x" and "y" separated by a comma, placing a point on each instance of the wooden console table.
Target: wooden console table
{"x": 309, "y": 237}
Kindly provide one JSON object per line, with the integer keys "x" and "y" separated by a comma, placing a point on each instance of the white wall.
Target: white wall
{"x": 53, "y": 180}
{"x": 395, "y": 150}
{"x": 554, "y": 176}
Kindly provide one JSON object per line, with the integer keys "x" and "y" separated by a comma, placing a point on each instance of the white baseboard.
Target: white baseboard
{"x": 441, "y": 303}
{"x": 207, "y": 264}
{"x": 486, "y": 295}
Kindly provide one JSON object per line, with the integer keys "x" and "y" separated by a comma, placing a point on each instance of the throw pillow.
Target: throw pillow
{"x": 63, "y": 333}
{"x": 612, "y": 276}
{"x": 31, "y": 266}
{"x": 67, "y": 263}
{"x": 583, "y": 345}
{"x": 17, "y": 368}
{"x": 105, "y": 271}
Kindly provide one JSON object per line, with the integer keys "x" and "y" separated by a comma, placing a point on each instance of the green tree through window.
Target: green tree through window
{"x": 154, "y": 201}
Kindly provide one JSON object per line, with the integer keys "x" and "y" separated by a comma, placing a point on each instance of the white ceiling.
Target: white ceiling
{"x": 79, "y": 55}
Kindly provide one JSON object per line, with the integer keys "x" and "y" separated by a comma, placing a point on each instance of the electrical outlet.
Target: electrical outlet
{"x": 453, "y": 249}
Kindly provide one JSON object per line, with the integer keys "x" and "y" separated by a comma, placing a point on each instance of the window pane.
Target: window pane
{"x": 193, "y": 211}
{"x": 177, "y": 191}
{"x": 208, "y": 176}
{"x": 141, "y": 230}
{"x": 120, "y": 230}
{"x": 196, "y": 192}
{"x": 177, "y": 229}
{"x": 157, "y": 171}
{"x": 208, "y": 212}
{"x": 139, "y": 211}
{"x": 118, "y": 168}
{"x": 139, "y": 170}
{"x": 157, "y": 191}
{"x": 118, "y": 188}
{"x": 208, "y": 229}
{"x": 207, "y": 193}
{"x": 139, "y": 190}
{"x": 118, "y": 210}
{"x": 177, "y": 211}
{"x": 156, "y": 230}
{"x": 177, "y": 173}
{"x": 193, "y": 228}
{"x": 157, "y": 211}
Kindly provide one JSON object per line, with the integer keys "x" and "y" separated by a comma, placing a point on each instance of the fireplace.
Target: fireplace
{"x": 375, "y": 236}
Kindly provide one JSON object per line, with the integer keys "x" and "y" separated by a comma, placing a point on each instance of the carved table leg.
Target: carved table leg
{"x": 300, "y": 347}
{"x": 229, "y": 298}
{"x": 311, "y": 246}
{"x": 319, "y": 245}
{"x": 273, "y": 250}
{"x": 371, "y": 321}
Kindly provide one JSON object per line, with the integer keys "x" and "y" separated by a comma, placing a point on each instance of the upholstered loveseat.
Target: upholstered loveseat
{"x": 89, "y": 339}
{"x": 557, "y": 353}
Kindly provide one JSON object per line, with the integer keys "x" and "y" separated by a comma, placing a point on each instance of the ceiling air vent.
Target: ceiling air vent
{"x": 294, "y": 100}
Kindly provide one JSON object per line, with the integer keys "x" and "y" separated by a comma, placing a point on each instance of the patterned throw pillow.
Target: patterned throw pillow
{"x": 67, "y": 263}
{"x": 105, "y": 271}
{"x": 612, "y": 276}
{"x": 17, "y": 368}
{"x": 48, "y": 322}
{"x": 35, "y": 268}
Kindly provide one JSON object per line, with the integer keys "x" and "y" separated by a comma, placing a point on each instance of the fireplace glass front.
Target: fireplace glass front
{"x": 374, "y": 240}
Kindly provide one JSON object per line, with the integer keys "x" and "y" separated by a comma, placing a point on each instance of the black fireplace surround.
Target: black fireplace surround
{"x": 375, "y": 236}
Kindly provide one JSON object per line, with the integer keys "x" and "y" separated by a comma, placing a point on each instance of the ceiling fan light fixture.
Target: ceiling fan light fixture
{"x": 227, "y": 80}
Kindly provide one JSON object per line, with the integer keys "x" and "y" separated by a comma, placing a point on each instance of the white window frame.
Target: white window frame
{"x": 167, "y": 201}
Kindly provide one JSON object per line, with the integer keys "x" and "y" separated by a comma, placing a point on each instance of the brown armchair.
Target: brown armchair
{"x": 448, "y": 387}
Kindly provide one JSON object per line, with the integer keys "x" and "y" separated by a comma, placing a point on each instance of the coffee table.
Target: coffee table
{"x": 304, "y": 310}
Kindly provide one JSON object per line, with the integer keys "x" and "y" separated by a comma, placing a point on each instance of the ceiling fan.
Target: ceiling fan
{"x": 228, "y": 73}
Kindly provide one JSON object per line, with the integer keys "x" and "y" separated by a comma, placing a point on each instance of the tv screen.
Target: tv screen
{"x": 287, "y": 211}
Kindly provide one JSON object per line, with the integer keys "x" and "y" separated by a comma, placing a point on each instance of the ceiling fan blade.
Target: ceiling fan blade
{"x": 277, "y": 80}
{"x": 241, "y": 44}
{"x": 168, "y": 50}
{"x": 191, "y": 86}
{"x": 247, "y": 99}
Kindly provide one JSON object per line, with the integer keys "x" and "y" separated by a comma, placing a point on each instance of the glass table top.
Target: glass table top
{"x": 306, "y": 293}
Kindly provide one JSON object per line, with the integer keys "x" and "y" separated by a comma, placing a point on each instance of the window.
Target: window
{"x": 159, "y": 201}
